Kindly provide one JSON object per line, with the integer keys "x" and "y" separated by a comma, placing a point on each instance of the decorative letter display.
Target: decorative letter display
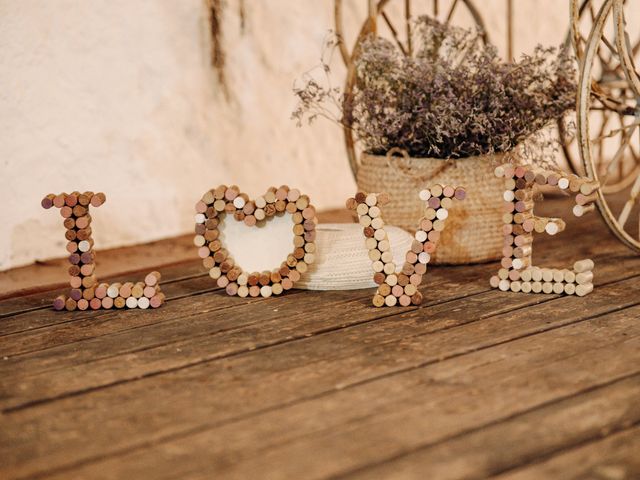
{"x": 517, "y": 273}
{"x": 401, "y": 286}
{"x": 86, "y": 292}
{"x": 211, "y": 210}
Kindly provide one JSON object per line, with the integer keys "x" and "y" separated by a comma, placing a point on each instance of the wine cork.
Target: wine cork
{"x": 137, "y": 290}
{"x": 125, "y": 290}
{"x": 113, "y": 290}
{"x": 574, "y": 183}
{"x": 390, "y": 300}
{"x": 75, "y": 282}
{"x": 522, "y": 252}
{"x": 585, "y": 199}
{"x": 47, "y": 203}
{"x": 558, "y": 275}
{"x": 535, "y": 273}
{"x": 393, "y": 282}
{"x": 87, "y": 269}
{"x": 71, "y": 199}
{"x": 158, "y": 299}
{"x": 580, "y": 210}
{"x": 60, "y": 301}
{"x": 101, "y": 290}
{"x": 107, "y": 302}
{"x": 70, "y": 304}
{"x": 149, "y": 292}
{"x": 520, "y": 263}
{"x": 510, "y": 184}
{"x": 563, "y": 183}
{"x": 516, "y": 272}
{"x": 584, "y": 278}
{"x": 554, "y": 226}
{"x": 587, "y": 188}
{"x": 89, "y": 281}
{"x": 582, "y": 290}
{"x": 586, "y": 265}
{"x": 509, "y": 170}
{"x": 569, "y": 276}
{"x": 514, "y": 275}
{"x": 547, "y": 275}
{"x": 98, "y": 199}
{"x": 143, "y": 303}
{"x": 229, "y": 200}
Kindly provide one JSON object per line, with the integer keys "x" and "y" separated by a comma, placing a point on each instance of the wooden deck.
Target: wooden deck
{"x": 475, "y": 383}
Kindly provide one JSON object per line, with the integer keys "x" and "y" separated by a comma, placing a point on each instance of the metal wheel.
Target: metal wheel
{"x": 583, "y": 16}
{"x": 397, "y": 26}
{"x": 610, "y": 150}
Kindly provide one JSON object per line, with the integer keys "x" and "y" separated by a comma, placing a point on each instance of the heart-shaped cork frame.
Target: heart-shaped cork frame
{"x": 210, "y": 212}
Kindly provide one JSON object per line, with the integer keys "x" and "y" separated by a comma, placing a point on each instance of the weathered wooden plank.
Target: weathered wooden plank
{"x": 212, "y": 333}
{"x": 115, "y": 261}
{"x": 613, "y": 458}
{"x": 209, "y": 335}
{"x": 262, "y": 368}
{"x": 184, "y": 301}
{"x": 64, "y": 331}
{"x": 34, "y": 310}
{"x": 317, "y": 440}
{"x": 515, "y": 442}
{"x": 359, "y": 420}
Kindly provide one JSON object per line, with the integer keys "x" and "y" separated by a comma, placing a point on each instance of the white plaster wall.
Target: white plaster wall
{"x": 119, "y": 96}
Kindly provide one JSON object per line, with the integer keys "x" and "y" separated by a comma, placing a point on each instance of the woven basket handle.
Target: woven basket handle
{"x": 405, "y": 170}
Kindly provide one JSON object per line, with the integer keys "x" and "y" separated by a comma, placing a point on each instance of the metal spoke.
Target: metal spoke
{"x": 509, "y": 30}
{"x": 606, "y": 116}
{"x": 612, "y": 49}
{"x": 394, "y": 32}
{"x": 628, "y": 206}
{"x": 631, "y": 57}
{"x": 635, "y": 48}
{"x": 407, "y": 19}
{"x": 636, "y": 155}
{"x": 372, "y": 11}
{"x": 624, "y": 142}
{"x": 450, "y": 14}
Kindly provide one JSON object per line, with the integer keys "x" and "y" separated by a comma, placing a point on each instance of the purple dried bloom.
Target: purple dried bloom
{"x": 454, "y": 98}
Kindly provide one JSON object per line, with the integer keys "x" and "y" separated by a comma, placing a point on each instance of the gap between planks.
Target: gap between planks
{"x": 612, "y": 457}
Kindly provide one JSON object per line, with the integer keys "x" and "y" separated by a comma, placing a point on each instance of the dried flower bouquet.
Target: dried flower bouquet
{"x": 455, "y": 110}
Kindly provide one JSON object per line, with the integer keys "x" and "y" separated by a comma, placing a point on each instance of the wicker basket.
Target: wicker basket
{"x": 472, "y": 233}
